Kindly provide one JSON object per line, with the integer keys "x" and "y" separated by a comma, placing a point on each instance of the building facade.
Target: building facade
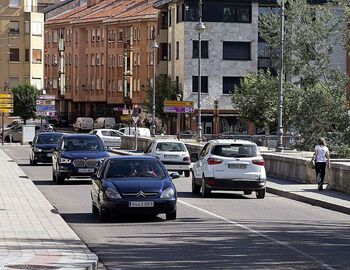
{"x": 21, "y": 44}
{"x": 98, "y": 57}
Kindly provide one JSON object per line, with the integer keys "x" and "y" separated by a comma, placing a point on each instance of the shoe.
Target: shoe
{"x": 320, "y": 186}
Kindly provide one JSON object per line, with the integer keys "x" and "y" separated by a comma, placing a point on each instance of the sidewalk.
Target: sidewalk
{"x": 32, "y": 234}
{"x": 308, "y": 193}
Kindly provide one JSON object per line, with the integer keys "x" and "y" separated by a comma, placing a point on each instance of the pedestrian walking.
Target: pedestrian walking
{"x": 321, "y": 156}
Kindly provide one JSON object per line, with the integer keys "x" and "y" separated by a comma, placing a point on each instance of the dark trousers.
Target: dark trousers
{"x": 320, "y": 168}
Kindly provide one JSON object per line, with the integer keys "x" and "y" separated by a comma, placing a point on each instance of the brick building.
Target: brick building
{"x": 98, "y": 57}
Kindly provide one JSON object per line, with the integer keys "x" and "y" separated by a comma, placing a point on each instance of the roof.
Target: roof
{"x": 108, "y": 11}
{"x": 51, "y": 133}
{"x": 167, "y": 140}
{"x": 79, "y": 135}
{"x": 133, "y": 158}
{"x": 231, "y": 142}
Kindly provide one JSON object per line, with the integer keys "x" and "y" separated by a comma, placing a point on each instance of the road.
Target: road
{"x": 226, "y": 231}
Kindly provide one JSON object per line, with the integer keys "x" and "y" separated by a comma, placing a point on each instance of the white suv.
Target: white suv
{"x": 172, "y": 153}
{"x": 229, "y": 165}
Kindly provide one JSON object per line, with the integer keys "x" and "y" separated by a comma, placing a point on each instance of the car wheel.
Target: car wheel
{"x": 247, "y": 192}
{"x": 171, "y": 216}
{"x": 205, "y": 191}
{"x": 59, "y": 179}
{"x": 260, "y": 194}
{"x": 102, "y": 215}
{"x": 30, "y": 161}
{"x": 7, "y": 139}
{"x": 34, "y": 162}
{"x": 187, "y": 173}
{"x": 94, "y": 209}
{"x": 195, "y": 188}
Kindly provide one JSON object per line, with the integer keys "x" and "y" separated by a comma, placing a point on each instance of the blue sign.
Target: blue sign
{"x": 45, "y": 108}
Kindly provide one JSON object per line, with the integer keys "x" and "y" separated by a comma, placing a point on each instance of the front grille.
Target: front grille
{"x": 79, "y": 163}
{"x": 141, "y": 194}
{"x": 91, "y": 163}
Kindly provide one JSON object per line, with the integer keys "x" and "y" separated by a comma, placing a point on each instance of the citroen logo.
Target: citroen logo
{"x": 140, "y": 194}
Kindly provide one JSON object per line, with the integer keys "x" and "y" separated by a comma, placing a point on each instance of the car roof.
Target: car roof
{"x": 79, "y": 135}
{"x": 132, "y": 158}
{"x": 167, "y": 140}
{"x": 50, "y": 133}
{"x": 223, "y": 141}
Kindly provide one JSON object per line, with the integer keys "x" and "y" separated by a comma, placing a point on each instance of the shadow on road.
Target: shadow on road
{"x": 214, "y": 195}
{"x": 66, "y": 182}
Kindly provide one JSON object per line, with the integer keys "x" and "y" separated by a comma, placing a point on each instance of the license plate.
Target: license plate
{"x": 49, "y": 154}
{"x": 170, "y": 156}
{"x": 237, "y": 166}
{"x": 86, "y": 170}
{"x": 141, "y": 204}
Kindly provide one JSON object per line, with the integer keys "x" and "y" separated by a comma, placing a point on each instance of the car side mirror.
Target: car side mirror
{"x": 30, "y": 143}
{"x": 94, "y": 176}
{"x": 174, "y": 175}
{"x": 109, "y": 149}
{"x": 194, "y": 157}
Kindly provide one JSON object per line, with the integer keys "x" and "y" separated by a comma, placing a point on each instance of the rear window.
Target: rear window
{"x": 48, "y": 139}
{"x": 82, "y": 144}
{"x": 170, "y": 147}
{"x": 235, "y": 150}
{"x": 125, "y": 169}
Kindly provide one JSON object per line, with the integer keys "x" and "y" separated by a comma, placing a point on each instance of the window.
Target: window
{"x": 164, "y": 20}
{"x": 204, "y": 49}
{"x": 150, "y": 59}
{"x": 13, "y": 82}
{"x": 120, "y": 86}
{"x": 93, "y": 35}
{"x": 164, "y": 51}
{"x": 37, "y": 83}
{"x": 55, "y": 37}
{"x": 14, "y": 27}
{"x": 92, "y": 59}
{"x": 37, "y": 29}
{"x": 120, "y": 35}
{"x": 14, "y": 3}
{"x": 54, "y": 60}
{"x": 37, "y": 56}
{"x": 169, "y": 52}
{"x": 204, "y": 84}
{"x": 120, "y": 60}
{"x": 226, "y": 12}
{"x": 177, "y": 50}
{"x": 236, "y": 51}
{"x": 179, "y": 13}
{"x": 54, "y": 83}
{"x": 27, "y": 29}
{"x": 14, "y": 55}
{"x": 26, "y": 55}
{"x": 229, "y": 84}
{"x": 138, "y": 59}
{"x": 139, "y": 33}
{"x": 170, "y": 11}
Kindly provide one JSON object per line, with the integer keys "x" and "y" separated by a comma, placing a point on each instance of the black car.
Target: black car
{"x": 42, "y": 147}
{"x": 133, "y": 184}
{"x": 77, "y": 155}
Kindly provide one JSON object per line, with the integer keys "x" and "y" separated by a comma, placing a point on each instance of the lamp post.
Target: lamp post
{"x": 200, "y": 27}
{"x": 279, "y": 147}
{"x": 153, "y": 126}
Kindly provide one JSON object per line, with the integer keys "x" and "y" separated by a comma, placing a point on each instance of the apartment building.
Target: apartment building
{"x": 98, "y": 57}
{"x": 21, "y": 44}
{"x": 228, "y": 52}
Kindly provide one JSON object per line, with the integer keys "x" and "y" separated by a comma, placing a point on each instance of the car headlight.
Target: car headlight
{"x": 65, "y": 160}
{"x": 167, "y": 193}
{"x": 37, "y": 149}
{"x": 112, "y": 193}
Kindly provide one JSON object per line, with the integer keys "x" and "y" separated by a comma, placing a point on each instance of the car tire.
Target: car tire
{"x": 171, "y": 216}
{"x": 7, "y": 139}
{"x": 260, "y": 194}
{"x": 59, "y": 179}
{"x": 187, "y": 173}
{"x": 247, "y": 192}
{"x": 103, "y": 215}
{"x": 94, "y": 209}
{"x": 196, "y": 189}
{"x": 205, "y": 191}
{"x": 34, "y": 162}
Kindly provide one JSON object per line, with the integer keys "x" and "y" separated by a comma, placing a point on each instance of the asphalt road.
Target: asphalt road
{"x": 226, "y": 231}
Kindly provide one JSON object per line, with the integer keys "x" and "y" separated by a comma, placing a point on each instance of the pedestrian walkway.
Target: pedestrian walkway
{"x": 32, "y": 234}
{"x": 308, "y": 193}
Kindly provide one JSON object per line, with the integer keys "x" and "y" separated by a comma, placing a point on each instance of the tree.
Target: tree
{"x": 256, "y": 99}
{"x": 24, "y": 101}
{"x": 166, "y": 89}
{"x": 312, "y": 33}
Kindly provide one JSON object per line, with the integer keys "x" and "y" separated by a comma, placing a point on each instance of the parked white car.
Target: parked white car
{"x": 229, "y": 165}
{"x": 172, "y": 153}
{"x": 104, "y": 122}
{"x": 143, "y": 132}
{"x": 83, "y": 123}
{"x": 110, "y": 137}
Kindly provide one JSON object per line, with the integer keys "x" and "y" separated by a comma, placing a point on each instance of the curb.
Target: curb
{"x": 308, "y": 200}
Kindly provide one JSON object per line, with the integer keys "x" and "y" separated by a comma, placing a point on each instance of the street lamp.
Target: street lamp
{"x": 200, "y": 27}
{"x": 279, "y": 147}
{"x": 153, "y": 126}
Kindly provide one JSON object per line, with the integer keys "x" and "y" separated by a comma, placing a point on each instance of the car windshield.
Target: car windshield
{"x": 48, "y": 138}
{"x": 139, "y": 168}
{"x": 235, "y": 150}
{"x": 170, "y": 147}
{"x": 82, "y": 144}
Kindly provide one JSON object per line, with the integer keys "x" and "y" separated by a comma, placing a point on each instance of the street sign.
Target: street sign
{"x": 136, "y": 111}
{"x": 10, "y": 96}
{"x": 175, "y": 103}
{"x": 172, "y": 109}
{"x": 46, "y": 97}
{"x": 45, "y": 102}
{"x": 45, "y": 107}
{"x": 45, "y": 113}
{"x": 135, "y": 119}
{"x": 6, "y": 101}
{"x": 125, "y": 117}
{"x": 6, "y": 106}
{"x": 6, "y": 110}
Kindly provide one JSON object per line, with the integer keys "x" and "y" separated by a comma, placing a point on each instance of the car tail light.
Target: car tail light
{"x": 214, "y": 161}
{"x": 210, "y": 181}
{"x": 186, "y": 159}
{"x": 259, "y": 162}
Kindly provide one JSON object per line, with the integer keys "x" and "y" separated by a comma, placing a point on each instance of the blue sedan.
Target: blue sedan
{"x": 124, "y": 185}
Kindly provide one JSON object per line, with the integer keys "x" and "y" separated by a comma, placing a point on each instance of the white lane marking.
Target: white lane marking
{"x": 326, "y": 266}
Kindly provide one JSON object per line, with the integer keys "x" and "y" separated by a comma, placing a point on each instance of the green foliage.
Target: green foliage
{"x": 166, "y": 89}
{"x": 257, "y": 99}
{"x": 25, "y": 96}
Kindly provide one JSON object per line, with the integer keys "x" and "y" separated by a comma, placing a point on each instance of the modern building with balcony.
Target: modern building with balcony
{"x": 21, "y": 44}
{"x": 98, "y": 57}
